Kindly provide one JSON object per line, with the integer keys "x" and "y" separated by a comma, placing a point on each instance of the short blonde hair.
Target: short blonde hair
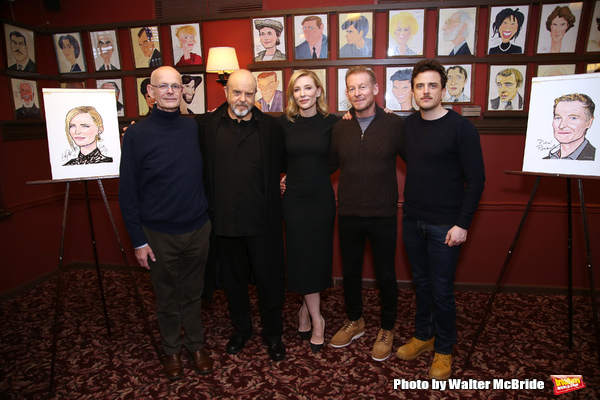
{"x": 292, "y": 110}
{"x": 185, "y": 29}
{"x": 405, "y": 19}
{"x": 95, "y": 115}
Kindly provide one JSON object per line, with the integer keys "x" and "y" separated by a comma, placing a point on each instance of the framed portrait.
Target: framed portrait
{"x": 342, "y": 100}
{"x": 83, "y": 133}
{"x": 69, "y": 52}
{"x": 405, "y": 33}
{"x": 193, "y": 98}
{"x": 310, "y": 36}
{"x": 562, "y": 135}
{"x": 506, "y": 87}
{"x": 459, "y": 87}
{"x": 20, "y": 48}
{"x": 593, "y": 41}
{"x": 270, "y": 95}
{"x": 25, "y": 99}
{"x": 145, "y": 99}
{"x": 105, "y": 48}
{"x": 268, "y": 38}
{"x": 591, "y": 68}
{"x": 559, "y": 25}
{"x": 146, "y": 47}
{"x": 73, "y": 84}
{"x": 508, "y": 30}
{"x": 355, "y": 35}
{"x": 321, "y": 74}
{"x": 187, "y": 44}
{"x": 116, "y": 85}
{"x": 398, "y": 91}
{"x": 456, "y": 31}
{"x": 555, "y": 70}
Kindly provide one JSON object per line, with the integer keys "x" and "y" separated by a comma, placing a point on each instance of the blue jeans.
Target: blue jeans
{"x": 433, "y": 266}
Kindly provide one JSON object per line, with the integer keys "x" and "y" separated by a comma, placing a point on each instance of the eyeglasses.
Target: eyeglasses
{"x": 163, "y": 87}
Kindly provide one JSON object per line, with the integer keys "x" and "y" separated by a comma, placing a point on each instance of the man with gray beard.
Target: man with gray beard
{"x": 456, "y": 29}
{"x": 29, "y": 109}
{"x": 242, "y": 150}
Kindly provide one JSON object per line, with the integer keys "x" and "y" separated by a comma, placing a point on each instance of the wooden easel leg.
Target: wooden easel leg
{"x": 138, "y": 298}
{"x": 501, "y": 275}
{"x": 98, "y": 273}
{"x": 57, "y": 303}
{"x": 588, "y": 252}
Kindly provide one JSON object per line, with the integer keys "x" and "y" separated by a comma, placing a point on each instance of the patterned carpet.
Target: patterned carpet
{"x": 526, "y": 338}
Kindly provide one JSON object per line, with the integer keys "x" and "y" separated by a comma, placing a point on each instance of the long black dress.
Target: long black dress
{"x": 308, "y": 203}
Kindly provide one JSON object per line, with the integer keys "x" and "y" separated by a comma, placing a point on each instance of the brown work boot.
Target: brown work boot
{"x": 414, "y": 348}
{"x": 350, "y": 331}
{"x": 441, "y": 368}
{"x": 383, "y": 345}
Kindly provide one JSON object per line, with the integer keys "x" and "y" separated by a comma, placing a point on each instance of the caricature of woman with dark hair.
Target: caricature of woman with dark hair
{"x": 507, "y": 26}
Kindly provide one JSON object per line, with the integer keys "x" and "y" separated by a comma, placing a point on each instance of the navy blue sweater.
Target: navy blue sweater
{"x": 444, "y": 169}
{"x": 160, "y": 185}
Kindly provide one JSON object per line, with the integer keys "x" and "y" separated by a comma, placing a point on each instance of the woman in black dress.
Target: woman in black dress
{"x": 308, "y": 201}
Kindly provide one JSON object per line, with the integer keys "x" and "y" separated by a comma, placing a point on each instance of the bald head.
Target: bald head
{"x": 169, "y": 99}
{"x": 240, "y": 92}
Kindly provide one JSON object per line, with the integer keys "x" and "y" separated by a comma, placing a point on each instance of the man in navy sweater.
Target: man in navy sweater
{"x": 165, "y": 210}
{"x": 444, "y": 182}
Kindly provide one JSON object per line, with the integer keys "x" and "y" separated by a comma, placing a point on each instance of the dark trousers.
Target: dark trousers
{"x": 382, "y": 233}
{"x": 240, "y": 257}
{"x": 433, "y": 266}
{"x": 178, "y": 280}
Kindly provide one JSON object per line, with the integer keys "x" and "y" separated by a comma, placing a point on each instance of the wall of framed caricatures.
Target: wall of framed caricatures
{"x": 491, "y": 52}
{"x": 501, "y": 51}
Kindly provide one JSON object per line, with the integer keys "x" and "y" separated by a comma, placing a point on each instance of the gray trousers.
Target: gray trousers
{"x": 178, "y": 280}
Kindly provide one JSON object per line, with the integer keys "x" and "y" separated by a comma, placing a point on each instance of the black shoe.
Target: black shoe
{"x": 305, "y": 335}
{"x": 236, "y": 344}
{"x": 275, "y": 348}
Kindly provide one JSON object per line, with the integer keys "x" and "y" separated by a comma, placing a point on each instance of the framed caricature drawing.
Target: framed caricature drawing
{"x": 356, "y": 35}
{"x": 456, "y": 31}
{"x": 398, "y": 90}
{"x": 555, "y": 70}
{"x": 83, "y": 133}
{"x": 69, "y": 52}
{"x": 193, "y": 97}
{"x": 508, "y": 30}
{"x": 25, "y": 98}
{"x": 146, "y": 47}
{"x": 459, "y": 84}
{"x": 105, "y": 50}
{"x": 270, "y": 96}
{"x": 187, "y": 44}
{"x": 506, "y": 91}
{"x": 342, "y": 100}
{"x": 593, "y": 40}
{"x": 20, "y": 48}
{"x": 269, "y": 39}
{"x": 310, "y": 37}
{"x": 145, "y": 99}
{"x": 562, "y": 135}
{"x": 405, "y": 33}
{"x": 116, "y": 85}
{"x": 559, "y": 25}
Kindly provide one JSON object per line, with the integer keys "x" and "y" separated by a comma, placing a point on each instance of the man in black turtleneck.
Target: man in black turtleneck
{"x": 162, "y": 200}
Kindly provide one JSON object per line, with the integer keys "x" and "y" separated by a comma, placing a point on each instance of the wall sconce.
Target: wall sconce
{"x": 222, "y": 61}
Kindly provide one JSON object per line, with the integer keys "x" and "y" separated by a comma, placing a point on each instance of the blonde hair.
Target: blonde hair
{"x": 96, "y": 118}
{"x": 185, "y": 29}
{"x": 405, "y": 19}
{"x": 292, "y": 110}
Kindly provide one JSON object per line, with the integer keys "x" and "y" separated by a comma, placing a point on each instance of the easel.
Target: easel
{"x": 570, "y": 256}
{"x": 57, "y": 304}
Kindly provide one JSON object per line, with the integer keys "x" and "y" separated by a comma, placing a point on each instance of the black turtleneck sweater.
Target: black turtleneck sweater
{"x": 160, "y": 185}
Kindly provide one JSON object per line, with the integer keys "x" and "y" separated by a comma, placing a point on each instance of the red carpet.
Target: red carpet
{"x": 526, "y": 338}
